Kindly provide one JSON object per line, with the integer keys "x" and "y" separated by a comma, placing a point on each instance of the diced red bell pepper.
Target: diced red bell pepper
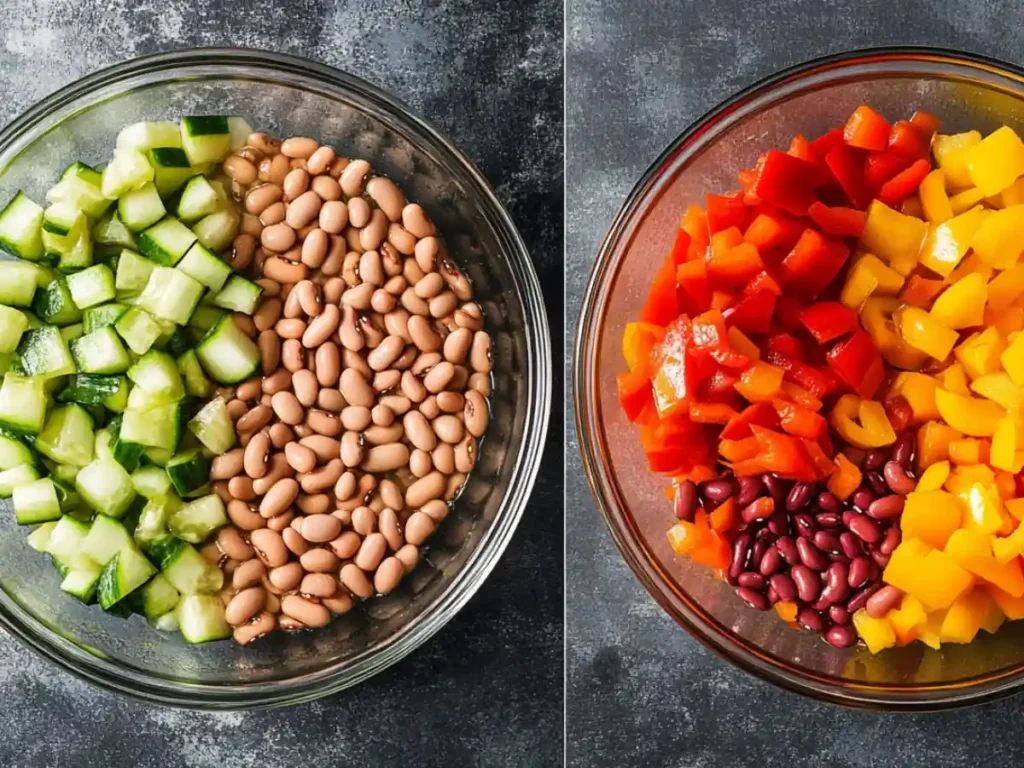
{"x": 675, "y": 375}
{"x": 784, "y": 454}
{"x": 724, "y": 211}
{"x": 904, "y": 183}
{"x": 675, "y": 444}
{"x": 847, "y": 165}
{"x": 801, "y": 147}
{"x": 661, "y": 306}
{"x": 811, "y": 378}
{"x": 772, "y": 229}
{"x": 719, "y": 386}
{"x": 634, "y": 393}
{"x": 763, "y": 281}
{"x": 908, "y": 140}
{"x": 752, "y": 313}
{"x": 761, "y": 414}
{"x": 858, "y": 364}
{"x": 694, "y": 290}
{"x": 695, "y": 224}
{"x": 721, "y": 300}
{"x": 927, "y": 123}
{"x": 813, "y": 263}
{"x": 821, "y": 457}
{"x": 787, "y": 182}
{"x": 866, "y": 129}
{"x": 828, "y": 320}
{"x": 710, "y": 338}
{"x": 711, "y": 413}
{"x": 837, "y": 220}
{"x": 735, "y": 267}
{"x": 787, "y": 314}
{"x": 724, "y": 241}
{"x": 785, "y": 344}
{"x": 822, "y": 145}
{"x": 799, "y": 421}
{"x": 681, "y": 246}
{"x": 882, "y": 166}
{"x": 801, "y": 396}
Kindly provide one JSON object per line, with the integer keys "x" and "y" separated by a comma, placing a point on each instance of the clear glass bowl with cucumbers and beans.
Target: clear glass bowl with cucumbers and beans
{"x": 244, "y": 383}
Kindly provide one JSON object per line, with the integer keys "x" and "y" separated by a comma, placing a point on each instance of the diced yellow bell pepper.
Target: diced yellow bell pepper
{"x": 1013, "y": 194}
{"x": 906, "y": 619}
{"x": 878, "y": 318}
{"x": 889, "y": 280}
{"x": 877, "y": 634}
{"x": 969, "y": 266}
{"x": 962, "y": 478}
{"x": 933, "y": 439}
{"x": 979, "y": 353}
{"x": 1006, "y": 287}
{"x": 930, "y": 517}
{"x": 1005, "y": 445}
{"x": 918, "y": 389}
{"x": 857, "y": 287}
{"x": 953, "y": 379}
{"x": 970, "y": 415}
{"x": 934, "y": 477}
{"x": 1006, "y": 484}
{"x": 973, "y": 551}
{"x": 962, "y": 305}
{"x": 999, "y": 239}
{"x": 924, "y": 333}
{"x": 1000, "y": 389}
{"x": 934, "y": 578}
{"x": 1006, "y": 321}
{"x": 1012, "y": 359}
{"x": 1012, "y": 607}
{"x": 970, "y": 450}
{"x": 874, "y": 429}
{"x": 739, "y": 341}
{"x": 893, "y": 237}
{"x": 964, "y": 201}
{"x": 946, "y": 243}
{"x": 1007, "y": 548}
{"x": 994, "y": 617}
{"x": 982, "y": 508}
{"x": 964, "y": 617}
{"x": 950, "y": 154}
{"x": 996, "y": 162}
{"x": 934, "y": 200}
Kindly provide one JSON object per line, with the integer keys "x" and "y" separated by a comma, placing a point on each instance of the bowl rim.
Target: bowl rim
{"x": 592, "y": 441}
{"x": 523, "y": 473}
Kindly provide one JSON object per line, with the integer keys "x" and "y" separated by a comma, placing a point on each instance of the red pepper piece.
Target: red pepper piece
{"x": 724, "y": 241}
{"x": 787, "y": 182}
{"x": 813, "y": 263}
{"x": 710, "y": 338}
{"x": 762, "y": 281}
{"x": 801, "y": 147}
{"x": 828, "y": 320}
{"x": 866, "y": 129}
{"x": 785, "y": 344}
{"x": 837, "y": 220}
{"x": 908, "y": 140}
{"x": 820, "y": 456}
{"x": 739, "y": 450}
{"x": 787, "y": 314}
{"x": 805, "y": 375}
{"x": 634, "y": 393}
{"x": 661, "y": 306}
{"x": 784, "y": 454}
{"x": 680, "y": 246}
{"x": 695, "y": 224}
{"x": 674, "y": 445}
{"x": 847, "y": 165}
{"x": 822, "y": 145}
{"x": 927, "y": 123}
{"x": 724, "y": 211}
{"x": 771, "y": 228}
{"x": 753, "y": 312}
{"x": 711, "y": 413}
{"x": 858, "y": 364}
{"x": 675, "y": 372}
{"x": 734, "y": 267}
{"x": 762, "y": 414}
{"x": 694, "y": 290}
{"x": 904, "y": 183}
{"x": 799, "y": 421}
{"x": 882, "y": 166}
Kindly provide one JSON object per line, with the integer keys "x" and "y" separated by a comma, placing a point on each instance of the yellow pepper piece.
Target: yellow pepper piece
{"x": 953, "y": 379}
{"x": 1013, "y": 194}
{"x": 874, "y": 429}
{"x": 996, "y": 162}
{"x": 760, "y": 382}
{"x": 906, "y": 619}
{"x": 968, "y": 451}
{"x": 1006, "y": 287}
{"x": 994, "y": 617}
{"x": 983, "y": 508}
{"x": 1012, "y": 359}
{"x": 962, "y": 478}
{"x": 877, "y": 634}
{"x": 972, "y": 264}
{"x": 962, "y": 305}
{"x": 739, "y": 341}
{"x": 1007, "y": 487}
{"x": 999, "y": 388}
{"x": 931, "y": 575}
{"x": 1005, "y": 445}
{"x": 1006, "y": 548}
{"x": 877, "y": 317}
{"x": 973, "y": 551}
{"x": 934, "y": 477}
{"x": 889, "y": 280}
{"x": 858, "y": 287}
{"x": 999, "y": 239}
{"x": 934, "y": 200}
{"x": 947, "y": 243}
{"x": 919, "y": 390}
{"x": 923, "y": 332}
{"x": 950, "y": 154}
{"x": 1012, "y": 606}
{"x": 930, "y": 517}
{"x": 979, "y": 353}
{"x": 933, "y": 440}
{"x": 964, "y": 201}
{"x": 970, "y": 415}
{"x": 1006, "y": 321}
{"x": 964, "y": 617}
{"x": 893, "y": 237}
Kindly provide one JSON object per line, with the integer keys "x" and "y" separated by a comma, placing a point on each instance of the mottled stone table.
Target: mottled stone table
{"x": 487, "y": 689}
{"x": 641, "y": 692}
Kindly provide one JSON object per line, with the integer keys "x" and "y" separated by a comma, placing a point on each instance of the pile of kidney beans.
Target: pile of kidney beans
{"x": 811, "y": 548}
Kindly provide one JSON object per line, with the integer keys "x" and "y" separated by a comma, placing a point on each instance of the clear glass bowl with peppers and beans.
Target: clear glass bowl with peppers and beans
{"x": 815, "y": 385}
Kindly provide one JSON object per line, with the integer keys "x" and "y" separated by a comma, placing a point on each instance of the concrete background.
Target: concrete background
{"x": 487, "y": 690}
{"x": 638, "y": 72}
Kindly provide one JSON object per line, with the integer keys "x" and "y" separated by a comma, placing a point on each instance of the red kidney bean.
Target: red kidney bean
{"x": 865, "y": 529}
{"x": 874, "y": 459}
{"x": 784, "y": 586}
{"x": 890, "y": 541}
{"x": 808, "y": 583}
{"x": 804, "y": 525}
{"x": 876, "y": 481}
{"x": 840, "y": 636}
{"x": 851, "y": 545}
{"x": 799, "y": 496}
{"x": 754, "y": 599}
{"x": 826, "y": 542}
{"x": 811, "y": 620}
{"x": 787, "y": 548}
{"x": 778, "y": 489}
{"x": 751, "y": 580}
{"x": 881, "y": 559}
{"x": 903, "y": 450}
{"x": 765, "y": 533}
{"x": 862, "y": 498}
{"x": 836, "y": 590}
{"x": 898, "y": 479}
{"x": 686, "y": 500}
{"x": 771, "y": 561}
{"x": 750, "y": 488}
{"x": 839, "y": 614}
{"x": 778, "y": 524}
{"x": 838, "y": 557}
{"x": 740, "y": 552}
{"x": 773, "y": 596}
{"x": 757, "y": 552}
{"x": 860, "y": 572}
{"x": 717, "y": 490}
{"x": 860, "y": 598}
{"x": 829, "y": 519}
{"x": 810, "y": 555}
{"x": 884, "y": 600}
{"x": 886, "y": 507}
{"x": 827, "y": 502}
{"x": 759, "y": 509}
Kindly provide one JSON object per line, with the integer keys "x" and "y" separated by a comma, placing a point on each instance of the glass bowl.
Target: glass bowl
{"x": 286, "y": 95}
{"x": 966, "y": 92}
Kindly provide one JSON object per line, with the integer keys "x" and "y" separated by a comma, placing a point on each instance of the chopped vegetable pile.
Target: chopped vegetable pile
{"x": 830, "y": 367}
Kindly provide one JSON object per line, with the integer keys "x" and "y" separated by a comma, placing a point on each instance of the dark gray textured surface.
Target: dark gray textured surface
{"x": 640, "y": 690}
{"x": 487, "y": 690}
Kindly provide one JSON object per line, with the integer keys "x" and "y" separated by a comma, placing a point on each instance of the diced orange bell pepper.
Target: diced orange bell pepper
{"x": 879, "y": 316}
{"x": 675, "y": 377}
{"x": 930, "y": 516}
{"x": 761, "y": 382}
{"x": 921, "y": 291}
{"x": 1012, "y": 607}
{"x": 739, "y": 450}
{"x": 924, "y": 333}
{"x": 800, "y": 421}
{"x": 713, "y": 553}
{"x": 866, "y": 129}
{"x": 917, "y": 389}
{"x": 1006, "y": 445}
{"x": 858, "y": 286}
{"x": 800, "y": 396}
{"x": 999, "y": 239}
{"x": 948, "y": 242}
{"x": 994, "y": 617}
{"x": 638, "y": 341}
{"x": 970, "y": 265}
{"x": 973, "y": 551}
{"x": 982, "y": 508}
{"x": 969, "y": 415}
{"x": 1012, "y": 359}
{"x": 962, "y": 305}
{"x": 845, "y": 479}
{"x": 723, "y": 518}
{"x": 1000, "y": 389}
{"x": 787, "y": 610}
{"x": 1013, "y": 194}
{"x": 1011, "y": 547}
{"x": 877, "y": 634}
{"x": 996, "y": 161}
{"x": 635, "y": 393}
{"x": 889, "y": 280}
{"x": 711, "y": 413}
{"x": 773, "y": 230}
{"x": 933, "y": 439}
{"x": 965, "y": 616}
{"x": 931, "y": 575}
{"x": 1006, "y": 321}
{"x": 951, "y": 155}
{"x": 953, "y": 379}
{"x": 934, "y": 200}
{"x": 906, "y": 619}
{"x": 934, "y": 477}
{"x": 961, "y": 479}
{"x": 893, "y": 237}
{"x": 739, "y": 342}
{"x": 684, "y": 537}
{"x": 968, "y": 451}
{"x": 873, "y": 431}
{"x": 911, "y": 206}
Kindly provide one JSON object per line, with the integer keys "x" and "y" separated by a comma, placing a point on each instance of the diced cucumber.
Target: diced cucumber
{"x": 214, "y": 427}
{"x": 127, "y": 171}
{"x": 196, "y": 383}
{"x": 102, "y": 446}
{"x": 205, "y": 139}
{"x": 45, "y": 353}
{"x": 15, "y": 476}
{"x": 227, "y": 354}
{"x": 21, "y": 230}
{"x": 100, "y": 352}
{"x": 189, "y": 471}
{"x": 141, "y": 207}
{"x": 55, "y": 305}
{"x": 158, "y": 427}
{"x": 205, "y": 317}
{"x": 12, "y": 325}
{"x": 150, "y": 134}
{"x": 23, "y": 403}
{"x": 79, "y": 170}
{"x": 240, "y": 131}
{"x": 133, "y": 272}
{"x": 69, "y": 332}
{"x": 217, "y": 230}
{"x": 171, "y": 168}
{"x": 239, "y": 295}
{"x": 198, "y": 200}
{"x": 138, "y": 329}
{"x": 152, "y": 482}
{"x": 63, "y": 477}
{"x": 184, "y": 567}
{"x": 65, "y": 221}
{"x": 168, "y": 622}
{"x": 110, "y": 230}
{"x": 159, "y": 597}
{"x": 79, "y": 257}
{"x": 157, "y": 373}
{"x": 96, "y": 389}
{"x": 95, "y": 318}
{"x": 201, "y": 619}
{"x": 153, "y": 520}
{"x": 171, "y": 295}
{"x": 66, "y": 542}
{"x": 18, "y": 282}
{"x": 124, "y": 573}
{"x": 91, "y": 286}
{"x": 166, "y": 241}
{"x": 158, "y": 456}
{"x": 81, "y": 189}
{"x": 125, "y": 452}
{"x": 206, "y": 268}
{"x": 82, "y": 581}
{"x": 36, "y": 502}
{"x": 40, "y": 536}
{"x": 13, "y": 450}
{"x": 106, "y": 487}
{"x": 198, "y": 519}
{"x": 105, "y": 538}
{"x": 67, "y": 437}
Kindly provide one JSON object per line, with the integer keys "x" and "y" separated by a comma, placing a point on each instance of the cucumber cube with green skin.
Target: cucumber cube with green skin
{"x": 91, "y": 286}
{"x": 12, "y": 325}
{"x": 189, "y": 471}
{"x": 201, "y": 619}
{"x": 127, "y": 171}
{"x": 95, "y": 318}
{"x": 184, "y": 567}
{"x": 14, "y": 451}
{"x": 158, "y": 597}
{"x": 214, "y": 427}
{"x": 66, "y": 542}
{"x": 239, "y": 295}
{"x": 205, "y": 139}
{"x": 196, "y": 521}
{"x": 100, "y": 352}
{"x": 227, "y": 354}
{"x": 207, "y": 268}
{"x": 149, "y": 134}
{"x": 205, "y": 317}
{"x": 166, "y": 241}
{"x": 64, "y": 220}
{"x": 15, "y": 477}
{"x": 123, "y": 574}
{"x": 152, "y": 482}
{"x": 199, "y": 199}
{"x": 79, "y": 186}
{"x": 67, "y": 436}
{"x": 171, "y": 295}
{"x": 68, "y": 496}
{"x": 79, "y": 257}
{"x": 157, "y": 427}
{"x": 23, "y": 403}
{"x": 196, "y": 383}
{"x": 82, "y": 582}
{"x": 172, "y": 169}
{"x": 36, "y": 502}
{"x": 139, "y": 330}
{"x": 157, "y": 374}
{"x": 18, "y": 283}
{"x": 110, "y": 230}
{"x": 155, "y": 514}
{"x": 217, "y": 230}
{"x": 55, "y": 305}
{"x": 106, "y": 487}
{"x": 104, "y": 539}
{"x": 45, "y": 353}
{"x": 96, "y": 389}
{"x": 141, "y": 207}
{"x": 40, "y": 536}
{"x": 69, "y": 332}
{"x": 21, "y": 229}
{"x": 133, "y": 271}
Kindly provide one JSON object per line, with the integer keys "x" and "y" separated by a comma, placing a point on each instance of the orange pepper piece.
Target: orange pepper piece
{"x": 723, "y": 518}
{"x": 846, "y": 479}
{"x": 761, "y": 382}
